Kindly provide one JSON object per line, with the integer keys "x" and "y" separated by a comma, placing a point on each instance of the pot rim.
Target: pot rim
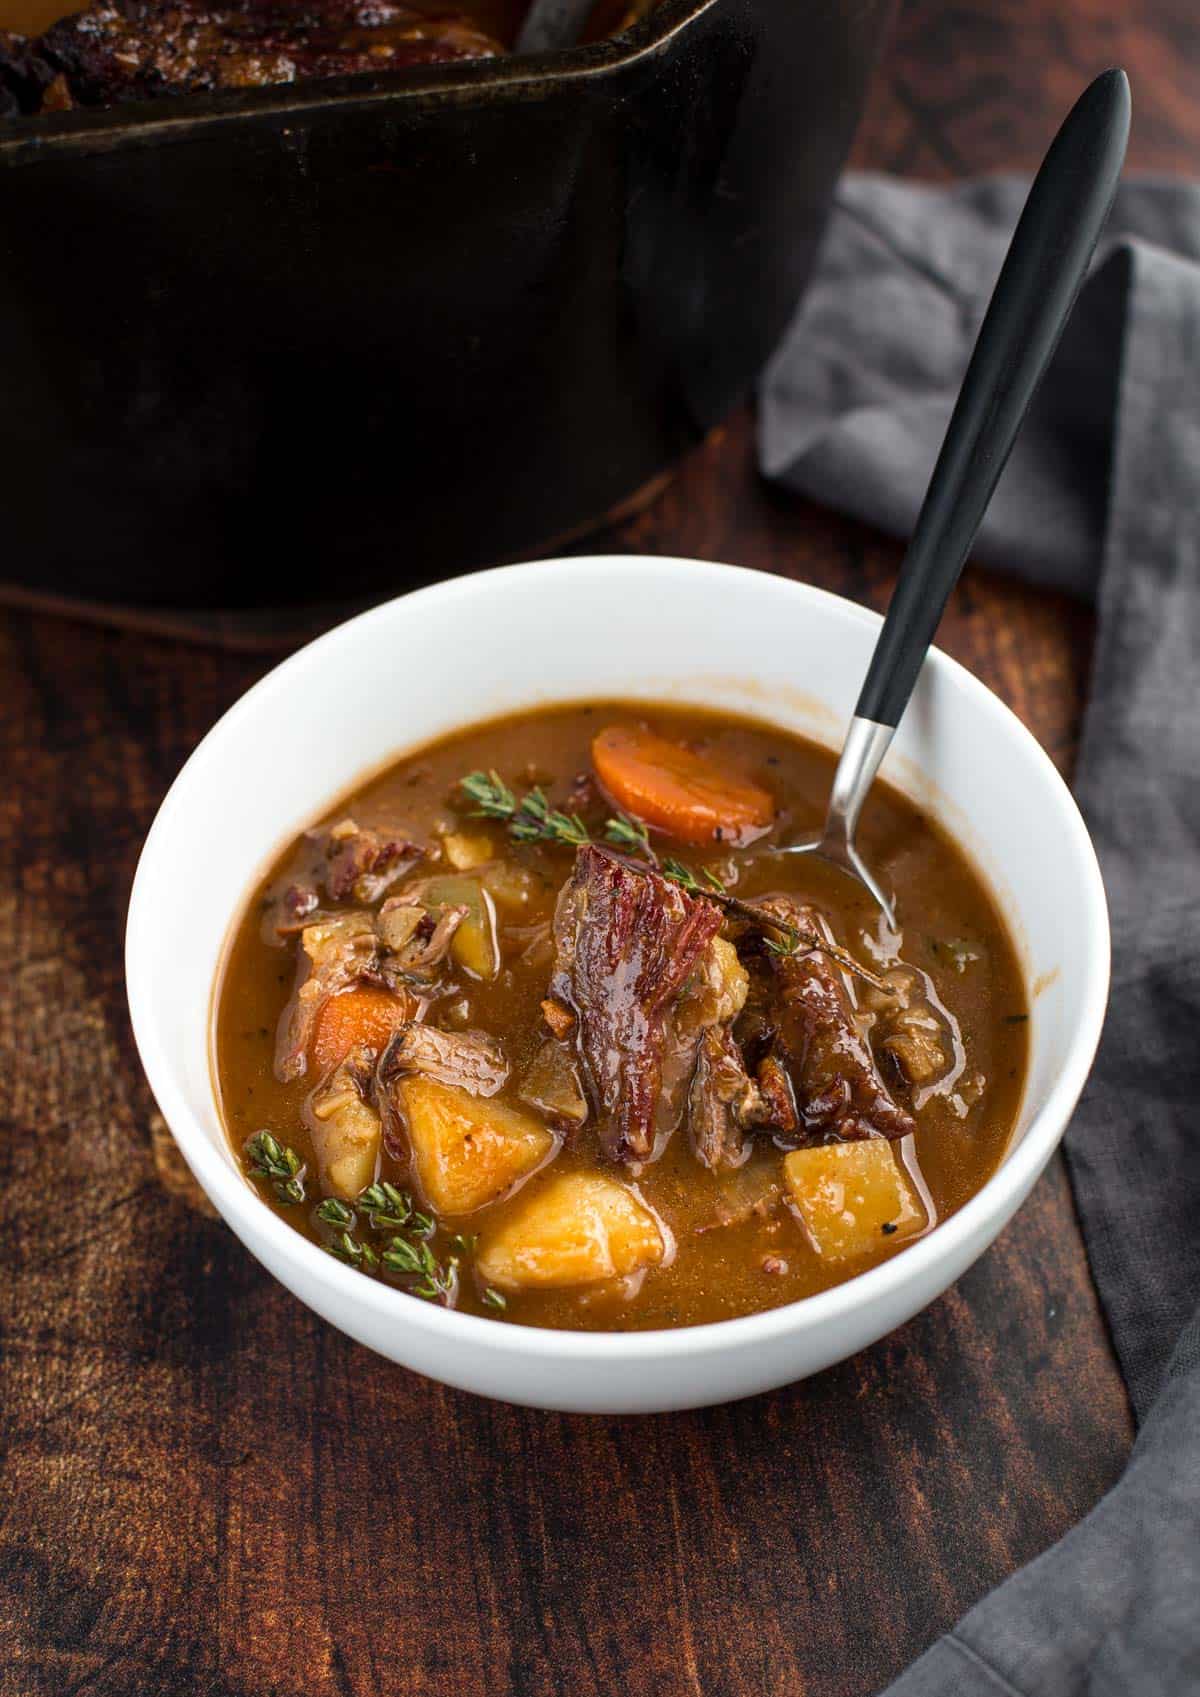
{"x": 481, "y": 82}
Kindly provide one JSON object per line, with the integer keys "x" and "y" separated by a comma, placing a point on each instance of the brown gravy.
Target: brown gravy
{"x": 951, "y": 930}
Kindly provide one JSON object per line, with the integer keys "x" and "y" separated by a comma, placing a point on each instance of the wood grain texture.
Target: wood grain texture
{"x": 205, "y": 1492}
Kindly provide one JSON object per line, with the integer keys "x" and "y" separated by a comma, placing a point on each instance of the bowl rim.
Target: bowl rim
{"x": 243, "y": 1210}
{"x": 456, "y": 82}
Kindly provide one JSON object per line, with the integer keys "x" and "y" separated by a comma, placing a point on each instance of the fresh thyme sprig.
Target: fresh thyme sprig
{"x": 384, "y": 1208}
{"x": 391, "y": 1210}
{"x": 354, "y": 1252}
{"x": 624, "y": 832}
{"x": 434, "y": 1282}
{"x": 532, "y": 819}
{"x": 707, "y": 884}
{"x": 270, "y": 1159}
{"x": 529, "y": 820}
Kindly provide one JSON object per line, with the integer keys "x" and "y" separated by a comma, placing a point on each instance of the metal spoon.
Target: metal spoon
{"x": 1045, "y": 265}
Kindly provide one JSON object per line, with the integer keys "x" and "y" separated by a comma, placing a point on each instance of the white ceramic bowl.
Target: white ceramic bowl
{"x": 658, "y": 630}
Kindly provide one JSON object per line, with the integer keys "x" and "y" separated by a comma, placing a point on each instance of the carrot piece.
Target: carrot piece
{"x": 691, "y": 796}
{"x": 354, "y": 1017}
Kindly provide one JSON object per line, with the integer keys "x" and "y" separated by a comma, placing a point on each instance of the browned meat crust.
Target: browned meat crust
{"x": 840, "y": 1091}
{"x": 626, "y": 943}
{"x": 121, "y": 50}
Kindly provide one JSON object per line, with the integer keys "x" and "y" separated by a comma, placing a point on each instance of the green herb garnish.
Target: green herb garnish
{"x": 270, "y": 1159}
{"x": 434, "y": 1282}
{"x": 387, "y": 1209}
{"x": 633, "y": 834}
{"x": 333, "y": 1212}
{"x": 350, "y": 1250}
{"x": 529, "y": 820}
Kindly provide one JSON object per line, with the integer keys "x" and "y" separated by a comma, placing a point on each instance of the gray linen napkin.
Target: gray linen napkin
{"x": 1101, "y": 497}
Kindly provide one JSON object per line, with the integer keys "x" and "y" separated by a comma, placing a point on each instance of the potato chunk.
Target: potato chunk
{"x": 579, "y": 1229}
{"x": 467, "y": 1151}
{"x": 852, "y": 1196}
{"x": 467, "y": 850}
{"x": 345, "y": 1128}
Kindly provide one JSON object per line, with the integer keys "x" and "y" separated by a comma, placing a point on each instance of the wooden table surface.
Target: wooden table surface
{"x": 205, "y": 1492}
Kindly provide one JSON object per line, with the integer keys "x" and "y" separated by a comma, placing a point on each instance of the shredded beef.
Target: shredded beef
{"x": 417, "y": 939}
{"x": 719, "y": 1102}
{"x": 626, "y": 943}
{"x": 364, "y": 864}
{"x": 468, "y": 1059}
{"x": 840, "y": 1090}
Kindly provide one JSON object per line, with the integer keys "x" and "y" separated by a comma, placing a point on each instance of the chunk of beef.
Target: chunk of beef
{"x": 726, "y": 1105}
{"x": 364, "y": 863}
{"x": 915, "y": 1028}
{"x": 775, "y": 1106}
{"x": 120, "y": 50}
{"x": 840, "y": 1090}
{"x": 720, "y": 1101}
{"x": 626, "y": 943}
{"x": 470, "y": 1060}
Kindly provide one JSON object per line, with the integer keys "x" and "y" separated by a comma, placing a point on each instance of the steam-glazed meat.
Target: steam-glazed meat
{"x": 122, "y": 50}
{"x": 471, "y": 1060}
{"x": 626, "y": 943}
{"x": 841, "y": 1093}
{"x": 721, "y": 1101}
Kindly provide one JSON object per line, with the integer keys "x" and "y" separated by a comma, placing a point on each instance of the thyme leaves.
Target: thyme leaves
{"x": 279, "y": 1164}
{"x": 531, "y": 818}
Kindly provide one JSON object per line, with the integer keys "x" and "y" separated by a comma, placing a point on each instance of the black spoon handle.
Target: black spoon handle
{"x": 1041, "y": 276}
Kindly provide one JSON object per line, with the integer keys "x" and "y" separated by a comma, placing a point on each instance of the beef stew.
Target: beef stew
{"x": 538, "y": 1025}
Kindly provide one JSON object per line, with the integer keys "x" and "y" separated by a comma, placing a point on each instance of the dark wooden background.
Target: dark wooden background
{"x": 204, "y": 1492}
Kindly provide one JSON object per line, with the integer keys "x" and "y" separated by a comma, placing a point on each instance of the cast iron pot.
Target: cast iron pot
{"x": 303, "y": 343}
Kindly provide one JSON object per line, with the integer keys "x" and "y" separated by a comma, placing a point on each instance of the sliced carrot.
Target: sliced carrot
{"x": 354, "y": 1017}
{"x": 692, "y": 796}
